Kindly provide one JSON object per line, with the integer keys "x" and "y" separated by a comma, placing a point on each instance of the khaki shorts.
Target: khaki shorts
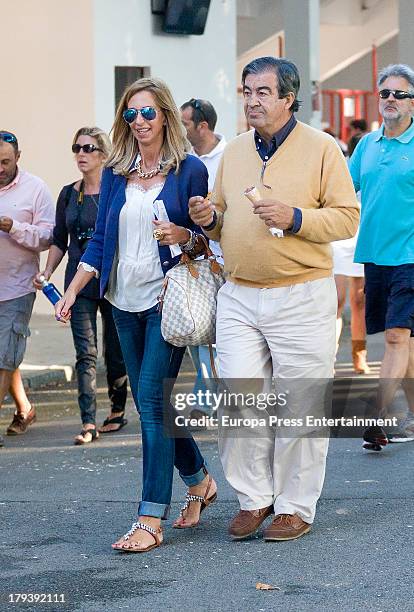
{"x": 14, "y": 330}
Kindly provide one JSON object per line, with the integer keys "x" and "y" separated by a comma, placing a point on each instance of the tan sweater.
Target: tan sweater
{"x": 309, "y": 172}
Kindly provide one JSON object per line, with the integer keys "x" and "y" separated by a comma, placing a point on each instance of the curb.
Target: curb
{"x": 36, "y": 377}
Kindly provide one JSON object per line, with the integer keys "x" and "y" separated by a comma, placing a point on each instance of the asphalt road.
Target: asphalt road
{"x": 61, "y": 507}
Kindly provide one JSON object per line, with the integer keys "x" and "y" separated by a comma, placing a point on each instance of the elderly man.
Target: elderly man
{"x": 26, "y": 224}
{"x": 277, "y": 310}
{"x": 382, "y": 168}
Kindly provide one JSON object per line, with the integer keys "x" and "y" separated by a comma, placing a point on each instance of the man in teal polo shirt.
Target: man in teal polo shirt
{"x": 382, "y": 167}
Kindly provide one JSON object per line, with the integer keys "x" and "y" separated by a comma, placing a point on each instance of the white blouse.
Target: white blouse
{"x": 136, "y": 277}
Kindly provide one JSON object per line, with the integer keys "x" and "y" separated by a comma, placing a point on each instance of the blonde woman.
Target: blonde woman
{"x": 76, "y": 213}
{"x": 142, "y": 218}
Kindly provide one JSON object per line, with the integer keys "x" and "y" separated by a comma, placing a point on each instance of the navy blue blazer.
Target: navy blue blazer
{"x": 191, "y": 180}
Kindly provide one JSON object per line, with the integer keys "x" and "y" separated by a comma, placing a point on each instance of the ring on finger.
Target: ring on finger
{"x": 158, "y": 234}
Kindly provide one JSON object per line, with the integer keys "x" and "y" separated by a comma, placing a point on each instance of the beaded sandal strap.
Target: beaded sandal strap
{"x": 144, "y": 527}
{"x": 191, "y": 498}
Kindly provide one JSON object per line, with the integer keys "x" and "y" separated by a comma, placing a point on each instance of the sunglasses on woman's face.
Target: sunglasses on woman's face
{"x": 147, "y": 112}
{"x": 87, "y": 148}
{"x": 397, "y": 93}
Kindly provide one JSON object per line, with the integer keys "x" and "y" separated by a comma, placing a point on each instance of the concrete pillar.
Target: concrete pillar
{"x": 301, "y": 26}
{"x": 406, "y": 34}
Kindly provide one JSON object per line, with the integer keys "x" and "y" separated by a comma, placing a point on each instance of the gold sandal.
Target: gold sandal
{"x": 132, "y": 546}
{"x": 204, "y": 501}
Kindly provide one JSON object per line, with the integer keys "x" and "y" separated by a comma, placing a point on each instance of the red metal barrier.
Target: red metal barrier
{"x": 335, "y": 102}
{"x": 365, "y": 104}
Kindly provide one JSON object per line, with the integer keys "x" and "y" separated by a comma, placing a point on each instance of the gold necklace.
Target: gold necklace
{"x": 147, "y": 175}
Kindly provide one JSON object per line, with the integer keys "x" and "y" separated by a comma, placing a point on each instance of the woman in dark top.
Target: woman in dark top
{"x": 76, "y": 213}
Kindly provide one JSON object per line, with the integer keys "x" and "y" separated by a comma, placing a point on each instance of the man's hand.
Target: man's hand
{"x": 6, "y": 224}
{"x": 274, "y": 213}
{"x": 201, "y": 210}
{"x": 36, "y": 280}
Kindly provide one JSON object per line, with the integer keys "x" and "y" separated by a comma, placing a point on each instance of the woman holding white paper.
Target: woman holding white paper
{"x": 142, "y": 227}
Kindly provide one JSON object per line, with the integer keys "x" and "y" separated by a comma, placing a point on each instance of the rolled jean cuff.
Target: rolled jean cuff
{"x": 195, "y": 479}
{"x": 160, "y": 511}
{"x": 88, "y": 421}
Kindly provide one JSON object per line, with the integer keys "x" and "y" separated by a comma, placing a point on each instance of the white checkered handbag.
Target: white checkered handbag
{"x": 188, "y": 301}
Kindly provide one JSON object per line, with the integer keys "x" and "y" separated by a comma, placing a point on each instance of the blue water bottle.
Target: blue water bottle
{"x": 50, "y": 291}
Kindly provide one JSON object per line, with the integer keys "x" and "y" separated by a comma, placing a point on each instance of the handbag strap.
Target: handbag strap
{"x": 208, "y": 254}
{"x": 185, "y": 257}
{"x": 212, "y": 364}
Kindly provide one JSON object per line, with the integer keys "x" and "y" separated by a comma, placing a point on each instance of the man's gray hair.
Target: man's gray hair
{"x": 397, "y": 70}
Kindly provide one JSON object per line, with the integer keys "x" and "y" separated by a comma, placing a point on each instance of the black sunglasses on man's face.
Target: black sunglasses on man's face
{"x": 398, "y": 94}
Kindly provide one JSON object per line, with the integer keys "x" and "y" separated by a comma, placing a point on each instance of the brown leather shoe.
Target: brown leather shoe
{"x": 20, "y": 423}
{"x": 286, "y": 527}
{"x": 247, "y": 522}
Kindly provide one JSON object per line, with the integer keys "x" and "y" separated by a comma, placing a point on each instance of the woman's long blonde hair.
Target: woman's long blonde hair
{"x": 125, "y": 146}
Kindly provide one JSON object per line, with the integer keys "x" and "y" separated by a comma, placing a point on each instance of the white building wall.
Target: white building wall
{"x": 47, "y": 82}
{"x": 359, "y": 74}
{"x": 47, "y": 89}
{"x": 126, "y": 34}
{"x": 346, "y": 34}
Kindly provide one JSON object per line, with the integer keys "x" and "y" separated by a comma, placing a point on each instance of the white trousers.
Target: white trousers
{"x": 286, "y": 332}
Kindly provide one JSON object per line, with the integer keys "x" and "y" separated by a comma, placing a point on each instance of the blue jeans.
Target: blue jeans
{"x": 149, "y": 360}
{"x": 85, "y": 338}
{"x": 200, "y": 356}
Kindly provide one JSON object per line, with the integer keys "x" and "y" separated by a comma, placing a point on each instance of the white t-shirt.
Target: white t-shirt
{"x": 211, "y": 161}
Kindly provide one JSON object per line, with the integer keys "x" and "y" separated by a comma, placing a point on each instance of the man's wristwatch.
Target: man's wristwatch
{"x": 211, "y": 225}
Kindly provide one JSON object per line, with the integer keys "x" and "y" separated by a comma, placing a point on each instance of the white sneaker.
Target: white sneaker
{"x": 406, "y": 433}
{"x": 399, "y": 438}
